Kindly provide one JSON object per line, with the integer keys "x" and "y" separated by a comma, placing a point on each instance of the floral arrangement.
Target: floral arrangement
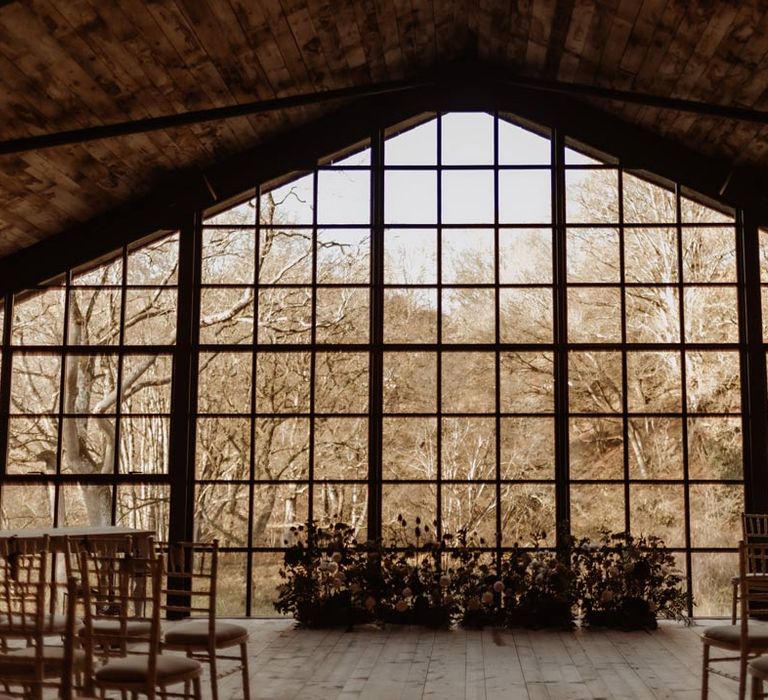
{"x": 627, "y": 582}
{"x": 331, "y": 579}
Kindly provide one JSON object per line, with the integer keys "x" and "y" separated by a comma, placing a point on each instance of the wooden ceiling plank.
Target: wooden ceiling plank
{"x": 615, "y": 46}
{"x": 542, "y": 18}
{"x": 557, "y": 38}
{"x": 576, "y": 39}
{"x": 392, "y": 48}
{"x": 599, "y": 35}
{"x": 423, "y": 14}
{"x": 515, "y": 49}
{"x": 643, "y": 36}
{"x": 370, "y": 36}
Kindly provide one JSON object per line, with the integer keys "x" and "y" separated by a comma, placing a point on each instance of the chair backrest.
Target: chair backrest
{"x": 121, "y": 595}
{"x": 753, "y": 575}
{"x": 71, "y": 642}
{"x": 190, "y": 584}
{"x": 754, "y": 527}
{"x": 24, "y": 590}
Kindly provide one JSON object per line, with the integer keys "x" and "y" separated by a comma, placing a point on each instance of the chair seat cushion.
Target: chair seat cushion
{"x": 134, "y": 669}
{"x": 731, "y": 634}
{"x": 53, "y": 624}
{"x": 759, "y": 667}
{"x": 194, "y": 633}
{"x": 111, "y": 628}
{"x": 20, "y": 662}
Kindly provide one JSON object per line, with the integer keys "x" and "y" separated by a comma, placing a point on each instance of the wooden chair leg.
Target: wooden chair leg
{"x": 734, "y": 602}
{"x": 246, "y": 675}
{"x": 198, "y": 695}
{"x": 705, "y": 673}
{"x": 743, "y": 676}
{"x": 757, "y": 688}
{"x": 214, "y": 675}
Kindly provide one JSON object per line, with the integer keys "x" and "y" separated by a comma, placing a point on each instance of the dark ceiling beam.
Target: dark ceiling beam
{"x": 171, "y": 121}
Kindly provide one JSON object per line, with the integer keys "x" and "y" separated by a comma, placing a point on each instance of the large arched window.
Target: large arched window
{"x": 468, "y": 319}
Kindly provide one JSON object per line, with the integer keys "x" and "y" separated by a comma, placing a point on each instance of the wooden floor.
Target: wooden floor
{"x": 415, "y": 663}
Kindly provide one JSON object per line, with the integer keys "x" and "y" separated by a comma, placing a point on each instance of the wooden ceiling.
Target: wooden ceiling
{"x": 83, "y": 63}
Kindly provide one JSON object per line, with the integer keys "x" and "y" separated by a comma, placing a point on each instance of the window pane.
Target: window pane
{"x": 467, "y": 138}
{"x": 89, "y": 383}
{"x": 468, "y": 256}
{"x": 527, "y": 448}
{"x": 472, "y": 507}
{"x": 94, "y": 317}
{"x": 645, "y": 202}
{"x": 223, "y": 448}
{"x": 711, "y": 575}
{"x": 146, "y": 386}
{"x": 221, "y": 512}
{"x": 654, "y": 382}
{"x": 410, "y": 382}
{"x": 594, "y": 315}
{"x": 346, "y": 503}
{"x": 281, "y": 448}
{"x": 650, "y": 255}
{"x": 711, "y": 315}
{"x": 715, "y": 448}
{"x": 588, "y": 521}
{"x": 593, "y": 255}
{"x": 468, "y": 316}
{"x": 291, "y": 203}
{"x": 709, "y": 255}
{"x": 38, "y": 318}
{"x": 410, "y": 315}
{"x": 242, "y": 214}
{"x": 144, "y": 507}
{"x": 26, "y": 506}
{"x": 87, "y": 446}
{"x": 343, "y": 256}
{"x": 716, "y": 514}
{"x": 343, "y": 197}
{"x": 285, "y": 315}
{"x": 282, "y": 382}
{"x": 342, "y": 315}
{"x": 653, "y": 315}
{"x": 341, "y": 382}
{"x": 713, "y": 382}
{"x": 32, "y": 444}
{"x": 527, "y": 510}
{"x": 35, "y": 383}
{"x": 467, "y": 197}
{"x": 592, "y": 196}
{"x": 525, "y": 196}
{"x": 410, "y": 197}
{"x": 527, "y": 382}
{"x": 658, "y": 510}
{"x": 150, "y": 316}
{"x": 525, "y": 256}
{"x": 596, "y": 448}
{"x": 468, "y": 382}
{"x": 155, "y": 263}
{"x": 341, "y": 448}
{"x": 84, "y": 505}
{"x": 106, "y": 273}
{"x": 525, "y": 315}
{"x": 518, "y": 146}
{"x": 468, "y": 448}
{"x": 266, "y": 578}
{"x": 226, "y": 315}
{"x": 656, "y": 448}
{"x": 695, "y": 213}
{"x": 228, "y": 256}
{"x": 409, "y": 448}
{"x": 224, "y": 384}
{"x": 144, "y": 445}
{"x": 285, "y": 256}
{"x": 410, "y": 256}
{"x": 276, "y": 509}
{"x": 415, "y": 146}
{"x": 410, "y": 501}
{"x": 594, "y": 382}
